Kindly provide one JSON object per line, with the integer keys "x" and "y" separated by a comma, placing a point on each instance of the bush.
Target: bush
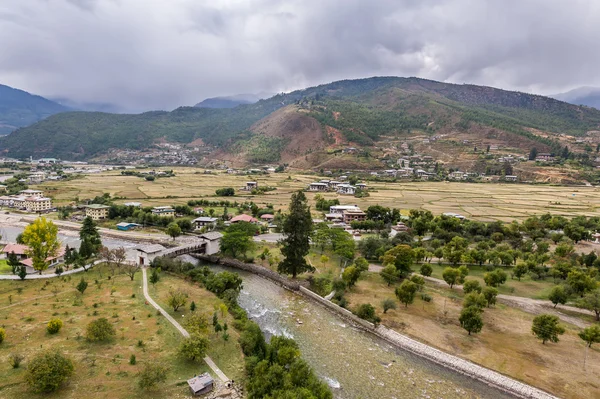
{"x": 54, "y": 326}
{"x": 152, "y": 375}
{"x": 426, "y": 270}
{"x": 426, "y": 297}
{"x": 225, "y": 192}
{"x": 194, "y": 347}
{"x": 388, "y": 304}
{"x": 100, "y": 330}
{"x": 366, "y": 311}
{"x": 2, "y": 335}
{"x": 471, "y": 286}
{"x": 47, "y": 371}
{"x": 15, "y": 360}
{"x": 132, "y": 359}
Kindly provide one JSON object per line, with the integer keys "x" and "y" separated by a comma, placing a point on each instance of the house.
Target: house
{"x": 32, "y": 193}
{"x": 147, "y": 253}
{"x": 18, "y": 249}
{"x": 166, "y": 211}
{"x": 133, "y": 204}
{"x": 400, "y": 227}
{"x": 213, "y": 242}
{"x": 53, "y": 261}
{"x": 205, "y": 221}
{"x": 333, "y": 184}
{"x": 199, "y": 210}
{"x": 250, "y": 185}
{"x": 201, "y": 384}
{"x": 37, "y": 204}
{"x": 454, "y": 215}
{"x": 361, "y": 186}
{"x": 339, "y": 209}
{"x": 346, "y": 189}
{"x": 243, "y": 218}
{"x": 544, "y": 157}
{"x": 124, "y": 226}
{"x": 318, "y": 187}
{"x": 351, "y": 215}
{"x": 97, "y": 211}
{"x": 510, "y": 178}
{"x": 457, "y": 175}
{"x": 267, "y": 217}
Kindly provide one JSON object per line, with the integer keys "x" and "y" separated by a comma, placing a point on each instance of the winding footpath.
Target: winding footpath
{"x": 35, "y": 276}
{"x": 179, "y": 327}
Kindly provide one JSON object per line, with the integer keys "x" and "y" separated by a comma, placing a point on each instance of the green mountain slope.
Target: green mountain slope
{"x": 19, "y": 108}
{"x": 369, "y": 108}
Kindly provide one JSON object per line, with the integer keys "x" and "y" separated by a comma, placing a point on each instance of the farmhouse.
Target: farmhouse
{"x": 346, "y": 189}
{"x": 18, "y": 249}
{"x": 250, "y": 185}
{"x": 133, "y": 204}
{"x": 243, "y": 218}
{"x": 351, "y": 215}
{"x": 267, "y": 217}
{"x": 318, "y": 187}
{"x": 205, "y": 221}
{"x": 361, "y": 186}
{"x": 510, "y": 178}
{"x": 21, "y": 252}
{"x": 166, "y": 211}
{"x": 457, "y": 175}
{"x": 97, "y": 211}
{"x": 544, "y": 157}
{"x": 339, "y": 209}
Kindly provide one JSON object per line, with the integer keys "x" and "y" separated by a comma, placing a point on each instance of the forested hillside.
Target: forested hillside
{"x": 362, "y": 110}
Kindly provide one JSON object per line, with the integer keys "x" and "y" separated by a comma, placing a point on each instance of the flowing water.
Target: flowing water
{"x": 354, "y": 363}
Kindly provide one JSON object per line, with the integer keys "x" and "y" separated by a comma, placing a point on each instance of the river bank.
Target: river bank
{"x": 489, "y": 377}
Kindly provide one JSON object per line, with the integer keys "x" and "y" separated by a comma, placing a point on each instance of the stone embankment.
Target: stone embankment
{"x": 462, "y": 366}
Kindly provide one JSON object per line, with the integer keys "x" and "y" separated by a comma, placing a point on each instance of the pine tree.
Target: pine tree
{"x": 297, "y": 229}
{"x": 89, "y": 232}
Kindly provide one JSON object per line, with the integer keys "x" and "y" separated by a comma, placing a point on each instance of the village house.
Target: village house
{"x": 205, "y": 221}
{"x": 543, "y": 157}
{"x": 361, "y": 186}
{"x": 267, "y": 217}
{"x": 510, "y": 178}
{"x": 133, "y": 204}
{"x": 400, "y": 227}
{"x": 457, "y": 175}
{"x": 38, "y": 204}
{"x": 21, "y": 252}
{"x": 336, "y": 212}
{"x": 250, "y": 185}
{"x": 346, "y": 189}
{"x": 318, "y": 187}
{"x": 97, "y": 211}
{"x": 164, "y": 211}
{"x": 333, "y": 184}
{"x": 18, "y": 249}
{"x": 200, "y": 385}
{"x": 351, "y": 215}
{"x": 243, "y": 218}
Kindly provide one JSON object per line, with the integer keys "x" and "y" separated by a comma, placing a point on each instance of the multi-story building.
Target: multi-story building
{"x": 166, "y": 211}
{"x": 38, "y": 204}
{"x": 32, "y": 193}
{"x": 97, "y": 211}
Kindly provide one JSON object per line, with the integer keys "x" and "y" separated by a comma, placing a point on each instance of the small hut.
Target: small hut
{"x": 201, "y": 384}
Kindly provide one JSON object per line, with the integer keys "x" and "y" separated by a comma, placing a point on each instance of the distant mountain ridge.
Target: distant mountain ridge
{"x": 19, "y": 108}
{"x": 361, "y": 112}
{"x": 232, "y": 101}
{"x": 589, "y": 96}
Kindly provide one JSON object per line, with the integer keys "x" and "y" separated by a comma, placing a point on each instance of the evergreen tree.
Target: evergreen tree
{"x": 533, "y": 154}
{"x": 89, "y": 232}
{"x": 297, "y": 228}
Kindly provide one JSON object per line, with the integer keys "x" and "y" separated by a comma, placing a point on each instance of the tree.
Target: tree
{"x": 54, "y": 326}
{"x": 47, "y": 371}
{"x": 388, "y": 304}
{"x": 520, "y": 270}
{"x": 590, "y": 334}
{"x": 495, "y": 278}
{"x": 580, "y": 282}
{"x": 193, "y": 306}
{"x": 107, "y": 256}
{"x": 406, "y": 292}
{"x": 471, "y": 286}
{"x": 533, "y": 154}
{"x": 361, "y": 264}
{"x": 366, "y": 311}
{"x": 470, "y": 319}
{"x": 455, "y": 249}
{"x": 591, "y": 301}
{"x": 490, "y": 294}
{"x": 173, "y": 230}
{"x": 546, "y": 328}
{"x": 389, "y": 274}
{"x": 120, "y": 256}
{"x": 451, "y": 275}
{"x": 89, "y": 233}
{"x": 100, "y": 330}
{"x": 474, "y": 299}
{"x": 351, "y": 275}
{"x": 176, "y": 299}
{"x": 131, "y": 269}
{"x": 426, "y": 270}
{"x": 194, "y": 347}
{"x": 558, "y": 295}
{"x": 235, "y": 242}
{"x": 324, "y": 259}
{"x": 13, "y": 261}
{"x": 41, "y": 237}
{"x": 152, "y": 375}
{"x": 297, "y": 228}
{"x": 401, "y": 256}
{"x": 82, "y": 286}
{"x": 22, "y": 272}
{"x": 155, "y": 275}
{"x": 225, "y": 192}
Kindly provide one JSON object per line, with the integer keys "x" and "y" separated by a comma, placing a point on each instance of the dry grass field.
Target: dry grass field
{"x": 102, "y": 369}
{"x": 505, "y": 344}
{"x": 485, "y": 202}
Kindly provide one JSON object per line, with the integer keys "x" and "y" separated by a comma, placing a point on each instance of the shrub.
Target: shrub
{"x": 54, "y": 326}
{"x": 100, "y": 330}
{"x": 194, "y": 347}
{"x": 426, "y": 270}
{"x": 47, "y": 371}
{"x": 471, "y": 286}
{"x": 388, "y": 304}
{"x": 2, "y": 335}
{"x": 152, "y": 375}
{"x": 15, "y": 360}
{"x": 132, "y": 359}
{"x": 366, "y": 311}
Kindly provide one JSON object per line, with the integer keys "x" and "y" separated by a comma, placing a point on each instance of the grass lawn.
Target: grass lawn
{"x": 505, "y": 343}
{"x": 4, "y": 267}
{"x": 537, "y": 289}
{"x": 101, "y": 369}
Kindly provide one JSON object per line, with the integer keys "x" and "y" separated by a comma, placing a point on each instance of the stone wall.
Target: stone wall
{"x": 465, "y": 367}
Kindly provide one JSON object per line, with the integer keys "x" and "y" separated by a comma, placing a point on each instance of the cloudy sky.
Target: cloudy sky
{"x": 159, "y": 54}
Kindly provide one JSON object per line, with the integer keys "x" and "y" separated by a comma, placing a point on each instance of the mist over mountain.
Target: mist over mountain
{"x": 586, "y": 95}
{"x": 232, "y": 101}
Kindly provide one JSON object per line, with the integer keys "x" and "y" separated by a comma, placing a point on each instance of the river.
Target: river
{"x": 356, "y": 364}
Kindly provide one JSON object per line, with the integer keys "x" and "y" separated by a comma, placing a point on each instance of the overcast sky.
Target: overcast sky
{"x": 159, "y": 54}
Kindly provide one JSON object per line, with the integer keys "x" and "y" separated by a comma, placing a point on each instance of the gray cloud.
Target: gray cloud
{"x": 158, "y": 54}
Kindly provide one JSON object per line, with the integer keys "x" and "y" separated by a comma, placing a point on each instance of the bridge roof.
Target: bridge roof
{"x": 212, "y": 235}
{"x": 151, "y": 249}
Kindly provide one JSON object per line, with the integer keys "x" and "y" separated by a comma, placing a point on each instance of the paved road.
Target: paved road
{"x": 271, "y": 237}
{"x": 178, "y": 326}
{"x": 35, "y": 276}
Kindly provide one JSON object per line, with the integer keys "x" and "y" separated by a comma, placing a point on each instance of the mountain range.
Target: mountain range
{"x": 232, "y": 101}
{"x": 306, "y": 125}
{"x": 19, "y": 108}
{"x": 589, "y": 96}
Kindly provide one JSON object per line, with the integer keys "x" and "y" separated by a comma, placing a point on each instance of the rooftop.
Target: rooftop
{"x": 243, "y": 218}
{"x": 212, "y": 235}
{"x": 204, "y": 219}
{"x": 97, "y": 206}
{"x": 151, "y": 249}
{"x": 200, "y": 382}
{"x": 18, "y": 249}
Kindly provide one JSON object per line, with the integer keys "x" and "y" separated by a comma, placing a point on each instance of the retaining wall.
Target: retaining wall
{"x": 462, "y": 366}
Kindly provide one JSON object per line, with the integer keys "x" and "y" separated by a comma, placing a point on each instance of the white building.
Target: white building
{"x": 32, "y": 193}
{"x": 213, "y": 242}
{"x": 166, "y": 211}
{"x": 318, "y": 187}
{"x": 346, "y": 189}
{"x": 205, "y": 221}
{"x": 147, "y": 253}
{"x": 38, "y": 204}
